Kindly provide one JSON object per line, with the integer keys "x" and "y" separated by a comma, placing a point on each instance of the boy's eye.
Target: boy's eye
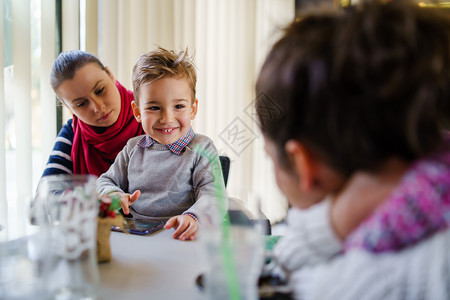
{"x": 98, "y": 92}
{"x": 179, "y": 106}
{"x": 153, "y": 108}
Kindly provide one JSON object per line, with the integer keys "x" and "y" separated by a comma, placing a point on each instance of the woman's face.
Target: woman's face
{"x": 92, "y": 96}
{"x": 287, "y": 181}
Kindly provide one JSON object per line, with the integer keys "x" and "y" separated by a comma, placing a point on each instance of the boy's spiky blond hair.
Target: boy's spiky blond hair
{"x": 162, "y": 63}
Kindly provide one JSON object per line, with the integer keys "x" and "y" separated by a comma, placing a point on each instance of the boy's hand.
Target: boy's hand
{"x": 185, "y": 227}
{"x": 126, "y": 200}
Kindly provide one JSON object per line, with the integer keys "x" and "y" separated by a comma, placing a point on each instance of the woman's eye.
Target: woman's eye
{"x": 81, "y": 104}
{"x": 98, "y": 92}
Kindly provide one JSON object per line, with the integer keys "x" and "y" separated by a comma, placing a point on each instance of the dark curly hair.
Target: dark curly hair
{"x": 360, "y": 85}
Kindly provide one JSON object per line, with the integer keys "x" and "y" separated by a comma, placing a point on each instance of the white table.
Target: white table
{"x": 151, "y": 267}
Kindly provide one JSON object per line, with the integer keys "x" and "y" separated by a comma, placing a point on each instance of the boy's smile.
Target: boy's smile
{"x": 166, "y": 130}
{"x": 165, "y": 109}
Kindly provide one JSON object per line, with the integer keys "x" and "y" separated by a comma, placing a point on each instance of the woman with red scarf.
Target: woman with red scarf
{"x": 102, "y": 121}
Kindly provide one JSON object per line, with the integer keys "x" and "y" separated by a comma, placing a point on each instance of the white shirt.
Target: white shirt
{"x": 421, "y": 271}
{"x": 309, "y": 237}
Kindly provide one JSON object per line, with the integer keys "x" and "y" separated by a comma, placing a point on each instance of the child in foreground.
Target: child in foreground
{"x": 365, "y": 99}
{"x": 166, "y": 174}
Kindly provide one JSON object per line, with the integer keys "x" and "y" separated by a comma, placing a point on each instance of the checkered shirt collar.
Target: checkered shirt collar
{"x": 176, "y": 147}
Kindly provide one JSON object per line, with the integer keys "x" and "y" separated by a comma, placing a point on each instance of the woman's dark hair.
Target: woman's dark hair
{"x": 67, "y": 63}
{"x": 360, "y": 85}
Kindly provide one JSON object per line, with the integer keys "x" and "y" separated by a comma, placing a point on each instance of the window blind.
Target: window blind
{"x": 31, "y": 33}
{"x": 3, "y": 204}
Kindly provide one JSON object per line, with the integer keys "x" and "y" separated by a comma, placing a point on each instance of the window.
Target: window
{"x": 24, "y": 112}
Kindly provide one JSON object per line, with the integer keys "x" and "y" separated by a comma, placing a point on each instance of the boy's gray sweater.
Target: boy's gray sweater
{"x": 170, "y": 184}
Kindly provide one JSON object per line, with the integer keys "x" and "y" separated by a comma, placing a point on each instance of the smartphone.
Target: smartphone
{"x": 141, "y": 227}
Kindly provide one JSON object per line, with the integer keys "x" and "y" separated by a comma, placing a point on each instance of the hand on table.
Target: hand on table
{"x": 126, "y": 200}
{"x": 185, "y": 227}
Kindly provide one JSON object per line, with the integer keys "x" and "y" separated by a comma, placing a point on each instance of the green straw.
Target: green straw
{"x": 226, "y": 243}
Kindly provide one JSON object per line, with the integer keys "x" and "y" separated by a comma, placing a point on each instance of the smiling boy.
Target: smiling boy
{"x": 161, "y": 175}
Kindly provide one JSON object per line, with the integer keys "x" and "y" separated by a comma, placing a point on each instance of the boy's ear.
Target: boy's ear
{"x": 111, "y": 75}
{"x": 194, "y": 109}
{"x": 136, "y": 111}
{"x": 304, "y": 163}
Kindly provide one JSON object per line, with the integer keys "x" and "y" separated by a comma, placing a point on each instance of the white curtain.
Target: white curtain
{"x": 3, "y": 203}
{"x": 18, "y": 118}
{"x": 229, "y": 39}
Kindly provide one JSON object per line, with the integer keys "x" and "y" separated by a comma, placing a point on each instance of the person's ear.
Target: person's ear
{"x": 110, "y": 74}
{"x": 304, "y": 163}
{"x": 136, "y": 111}
{"x": 194, "y": 109}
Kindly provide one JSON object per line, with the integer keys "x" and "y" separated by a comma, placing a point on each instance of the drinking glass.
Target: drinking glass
{"x": 72, "y": 207}
{"x": 234, "y": 251}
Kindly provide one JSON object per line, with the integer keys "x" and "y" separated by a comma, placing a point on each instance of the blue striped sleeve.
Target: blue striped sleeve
{"x": 60, "y": 161}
